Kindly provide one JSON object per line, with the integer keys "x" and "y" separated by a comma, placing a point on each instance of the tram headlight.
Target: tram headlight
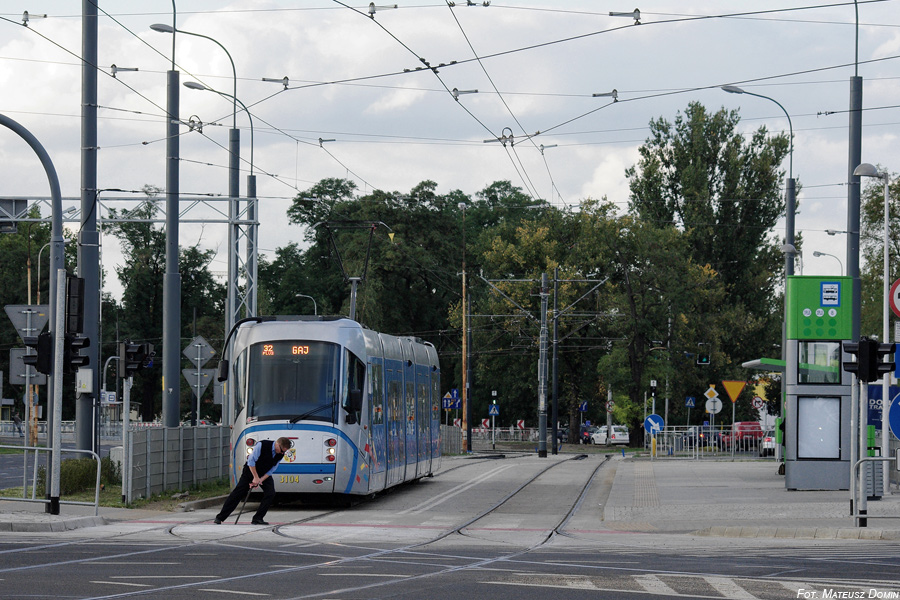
{"x": 250, "y": 443}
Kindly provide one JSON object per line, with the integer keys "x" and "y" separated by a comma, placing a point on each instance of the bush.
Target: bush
{"x": 80, "y": 474}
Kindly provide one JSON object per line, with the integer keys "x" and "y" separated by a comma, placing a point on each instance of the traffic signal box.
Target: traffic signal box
{"x": 872, "y": 359}
{"x": 818, "y": 325}
{"x": 133, "y": 357}
{"x": 42, "y": 360}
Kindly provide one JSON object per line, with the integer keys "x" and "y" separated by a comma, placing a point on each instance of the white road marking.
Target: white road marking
{"x": 231, "y": 592}
{"x": 729, "y": 588}
{"x": 122, "y": 583}
{"x": 454, "y": 492}
{"x": 654, "y": 585}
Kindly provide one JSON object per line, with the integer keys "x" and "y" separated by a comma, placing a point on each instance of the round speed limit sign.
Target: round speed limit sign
{"x": 610, "y": 405}
{"x": 758, "y": 402}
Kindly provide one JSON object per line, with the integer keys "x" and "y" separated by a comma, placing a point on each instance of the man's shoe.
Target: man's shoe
{"x": 218, "y": 521}
{"x": 258, "y": 522}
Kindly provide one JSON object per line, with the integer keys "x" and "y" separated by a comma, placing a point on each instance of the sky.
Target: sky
{"x": 362, "y": 82}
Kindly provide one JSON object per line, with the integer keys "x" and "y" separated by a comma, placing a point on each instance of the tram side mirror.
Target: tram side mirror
{"x": 222, "y": 375}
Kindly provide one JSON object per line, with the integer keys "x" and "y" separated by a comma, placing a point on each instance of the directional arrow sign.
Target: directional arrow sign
{"x": 734, "y": 389}
{"x": 653, "y": 424}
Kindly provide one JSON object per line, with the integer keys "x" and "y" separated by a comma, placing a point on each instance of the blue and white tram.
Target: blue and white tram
{"x": 362, "y": 408}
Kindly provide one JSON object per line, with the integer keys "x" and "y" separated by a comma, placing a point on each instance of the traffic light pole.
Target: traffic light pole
{"x": 126, "y": 450}
{"x": 58, "y": 350}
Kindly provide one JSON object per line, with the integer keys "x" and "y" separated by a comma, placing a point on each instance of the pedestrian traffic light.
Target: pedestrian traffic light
{"x": 42, "y": 359}
{"x": 72, "y": 358}
{"x": 703, "y": 359}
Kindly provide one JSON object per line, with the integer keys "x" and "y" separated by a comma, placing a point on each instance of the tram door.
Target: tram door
{"x": 396, "y": 459}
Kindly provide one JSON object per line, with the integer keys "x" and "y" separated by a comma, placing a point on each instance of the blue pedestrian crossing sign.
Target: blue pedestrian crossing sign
{"x": 690, "y": 402}
{"x": 493, "y": 410}
{"x": 653, "y": 424}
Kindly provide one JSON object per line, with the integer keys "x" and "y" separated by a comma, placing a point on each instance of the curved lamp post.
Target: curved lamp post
{"x": 867, "y": 170}
{"x": 817, "y": 254}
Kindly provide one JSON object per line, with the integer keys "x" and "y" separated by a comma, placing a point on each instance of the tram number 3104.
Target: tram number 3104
{"x": 289, "y": 479}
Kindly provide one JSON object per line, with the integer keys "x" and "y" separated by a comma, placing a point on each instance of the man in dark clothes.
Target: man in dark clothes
{"x": 261, "y": 462}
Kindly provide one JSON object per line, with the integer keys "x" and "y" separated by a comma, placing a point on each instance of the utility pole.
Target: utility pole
{"x": 542, "y": 371}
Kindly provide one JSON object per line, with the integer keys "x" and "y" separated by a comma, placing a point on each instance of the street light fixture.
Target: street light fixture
{"x": 868, "y": 170}
{"x": 816, "y": 253}
{"x": 234, "y": 153}
{"x": 315, "y": 308}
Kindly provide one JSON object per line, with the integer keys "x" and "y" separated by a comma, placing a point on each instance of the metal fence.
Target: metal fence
{"x": 174, "y": 458}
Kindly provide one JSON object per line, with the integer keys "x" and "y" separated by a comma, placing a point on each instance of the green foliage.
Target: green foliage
{"x": 80, "y": 474}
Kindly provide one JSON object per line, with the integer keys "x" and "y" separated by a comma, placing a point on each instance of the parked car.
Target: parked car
{"x": 767, "y": 443}
{"x": 620, "y": 435}
{"x": 744, "y": 435}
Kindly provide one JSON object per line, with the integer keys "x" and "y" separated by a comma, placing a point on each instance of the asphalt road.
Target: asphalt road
{"x": 523, "y": 528}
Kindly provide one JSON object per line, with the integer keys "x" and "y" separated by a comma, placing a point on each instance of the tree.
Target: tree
{"x": 723, "y": 191}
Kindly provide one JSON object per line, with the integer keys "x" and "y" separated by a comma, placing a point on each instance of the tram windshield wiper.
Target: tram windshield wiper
{"x": 310, "y": 413}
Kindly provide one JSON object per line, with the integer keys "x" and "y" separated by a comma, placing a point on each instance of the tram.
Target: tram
{"x": 362, "y": 408}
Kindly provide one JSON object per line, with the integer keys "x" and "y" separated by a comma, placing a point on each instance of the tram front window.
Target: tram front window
{"x": 293, "y": 380}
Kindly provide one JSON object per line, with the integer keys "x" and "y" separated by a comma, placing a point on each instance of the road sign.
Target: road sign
{"x": 894, "y": 297}
{"x": 894, "y": 416}
{"x": 457, "y": 422}
{"x": 199, "y": 379}
{"x": 454, "y": 393}
{"x": 690, "y": 402}
{"x": 713, "y": 406}
{"x": 19, "y": 313}
{"x": 493, "y": 410}
{"x": 198, "y": 351}
{"x": 610, "y": 405}
{"x": 446, "y": 401}
{"x": 17, "y": 369}
{"x": 582, "y": 406}
{"x": 653, "y": 424}
{"x": 520, "y": 424}
{"x": 758, "y": 402}
{"x": 486, "y": 423}
{"x": 734, "y": 389}
{"x": 711, "y": 392}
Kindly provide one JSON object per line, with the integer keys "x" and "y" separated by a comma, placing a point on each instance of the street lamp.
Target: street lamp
{"x": 817, "y": 254}
{"x": 315, "y": 308}
{"x": 867, "y": 170}
{"x": 790, "y": 201}
{"x": 234, "y": 153}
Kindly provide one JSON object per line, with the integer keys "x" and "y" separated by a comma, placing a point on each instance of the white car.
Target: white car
{"x": 619, "y": 435}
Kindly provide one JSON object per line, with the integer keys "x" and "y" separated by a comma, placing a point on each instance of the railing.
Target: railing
{"x": 34, "y": 498}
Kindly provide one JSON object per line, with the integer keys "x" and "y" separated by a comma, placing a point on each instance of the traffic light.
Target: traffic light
{"x": 74, "y": 304}
{"x": 873, "y": 360}
{"x": 72, "y": 358}
{"x": 703, "y": 358}
{"x": 131, "y": 358}
{"x": 42, "y": 360}
{"x": 883, "y": 360}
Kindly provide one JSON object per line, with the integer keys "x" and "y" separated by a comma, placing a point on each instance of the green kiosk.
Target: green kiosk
{"x": 817, "y": 401}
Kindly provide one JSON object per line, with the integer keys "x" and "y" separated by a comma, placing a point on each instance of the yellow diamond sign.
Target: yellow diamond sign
{"x": 711, "y": 392}
{"x": 734, "y": 389}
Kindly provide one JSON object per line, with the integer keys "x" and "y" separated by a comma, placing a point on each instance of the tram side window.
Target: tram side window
{"x": 354, "y": 379}
{"x": 239, "y": 381}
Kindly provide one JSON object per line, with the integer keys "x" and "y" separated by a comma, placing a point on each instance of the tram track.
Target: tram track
{"x": 404, "y": 552}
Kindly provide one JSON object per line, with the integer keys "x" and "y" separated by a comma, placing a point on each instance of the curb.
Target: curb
{"x": 204, "y": 503}
{"x": 54, "y": 526}
{"x": 807, "y": 533}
